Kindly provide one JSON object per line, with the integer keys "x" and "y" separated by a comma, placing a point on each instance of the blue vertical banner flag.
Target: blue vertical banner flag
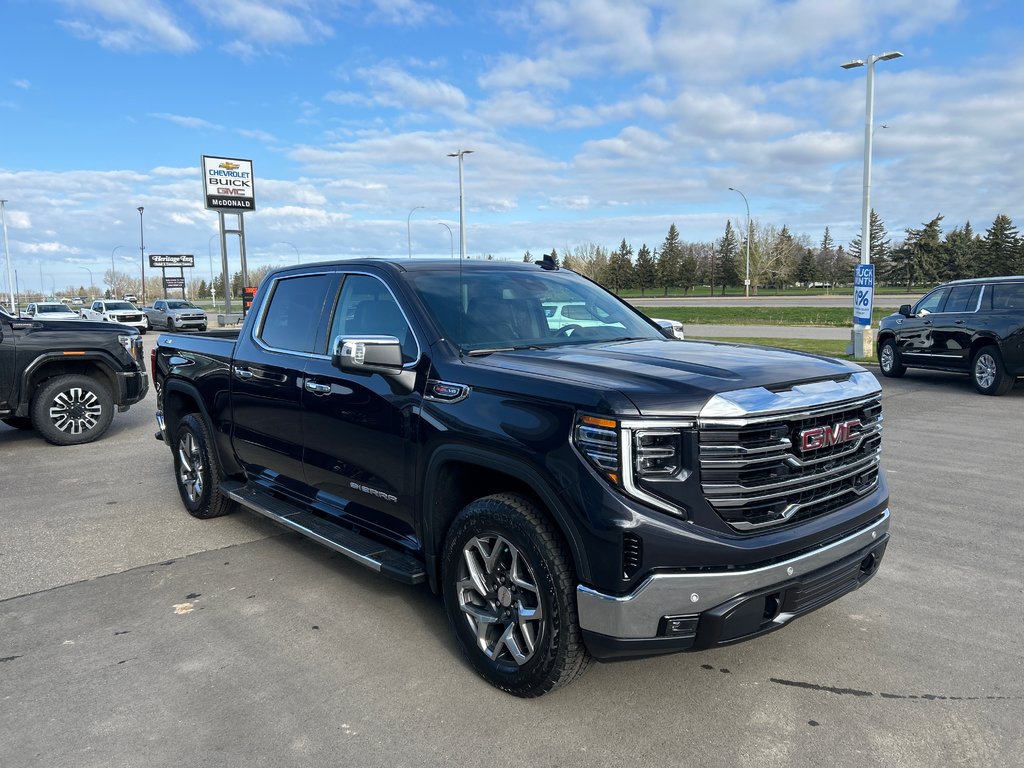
{"x": 863, "y": 293}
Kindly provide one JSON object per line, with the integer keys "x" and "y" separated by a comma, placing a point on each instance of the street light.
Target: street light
{"x": 462, "y": 203}
{"x": 113, "y": 270}
{"x": 90, "y": 279}
{"x": 408, "y": 227}
{"x": 862, "y": 335}
{"x": 451, "y": 237}
{"x": 746, "y": 282}
{"x": 142, "y": 254}
{"x": 7, "y": 254}
{"x": 298, "y": 258}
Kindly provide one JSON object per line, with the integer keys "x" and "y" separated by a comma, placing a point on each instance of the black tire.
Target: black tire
{"x": 149, "y": 324}
{"x": 72, "y": 409}
{"x": 170, "y": 323}
{"x": 18, "y": 422}
{"x": 988, "y": 372}
{"x": 202, "y": 328}
{"x": 197, "y": 471}
{"x": 522, "y": 635}
{"x": 889, "y": 360}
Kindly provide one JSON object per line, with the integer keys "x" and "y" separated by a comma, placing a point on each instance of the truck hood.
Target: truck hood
{"x": 669, "y": 377}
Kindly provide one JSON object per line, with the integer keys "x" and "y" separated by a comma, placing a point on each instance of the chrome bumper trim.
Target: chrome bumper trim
{"x": 637, "y": 615}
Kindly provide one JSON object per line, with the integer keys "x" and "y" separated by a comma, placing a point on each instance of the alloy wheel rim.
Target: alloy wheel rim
{"x": 75, "y": 411}
{"x": 887, "y": 358}
{"x": 498, "y": 593}
{"x": 190, "y": 467}
{"x": 985, "y": 371}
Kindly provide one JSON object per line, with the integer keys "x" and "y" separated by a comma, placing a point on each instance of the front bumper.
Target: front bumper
{"x": 190, "y": 322}
{"x": 694, "y": 610}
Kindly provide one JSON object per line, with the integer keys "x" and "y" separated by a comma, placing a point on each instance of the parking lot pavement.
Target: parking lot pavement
{"x": 133, "y": 635}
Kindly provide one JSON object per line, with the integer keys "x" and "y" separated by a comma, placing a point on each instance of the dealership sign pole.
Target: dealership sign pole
{"x": 229, "y": 187}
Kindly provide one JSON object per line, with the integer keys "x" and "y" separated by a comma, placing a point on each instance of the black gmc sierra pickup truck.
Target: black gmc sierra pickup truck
{"x": 595, "y": 490}
{"x": 66, "y": 377}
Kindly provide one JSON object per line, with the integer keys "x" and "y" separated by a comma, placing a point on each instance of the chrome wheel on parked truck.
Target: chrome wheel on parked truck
{"x": 72, "y": 409}
{"x": 509, "y": 591}
{"x": 196, "y": 470}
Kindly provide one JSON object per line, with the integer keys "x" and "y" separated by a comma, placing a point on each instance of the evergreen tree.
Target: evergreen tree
{"x": 806, "y": 271}
{"x": 528, "y": 258}
{"x": 879, "y": 242}
{"x": 1002, "y": 248}
{"x": 619, "y": 274}
{"x": 727, "y": 249}
{"x": 959, "y": 256}
{"x": 665, "y": 267}
{"x": 915, "y": 260}
{"x": 687, "y": 274}
{"x": 645, "y": 271}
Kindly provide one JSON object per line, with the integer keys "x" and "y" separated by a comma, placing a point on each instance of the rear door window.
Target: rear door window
{"x": 293, "y": 313}
{"x": 962, "y": 298}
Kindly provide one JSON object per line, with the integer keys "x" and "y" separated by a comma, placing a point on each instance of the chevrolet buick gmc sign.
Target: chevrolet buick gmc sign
{"x": 228, "y": 184}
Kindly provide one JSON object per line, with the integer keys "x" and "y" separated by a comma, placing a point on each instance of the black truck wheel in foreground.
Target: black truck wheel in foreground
{"x": 65, "y": 379}
{"x": 594, "y": 491}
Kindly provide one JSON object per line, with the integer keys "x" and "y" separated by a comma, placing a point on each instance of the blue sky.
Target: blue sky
{"x": 591, "y": 121}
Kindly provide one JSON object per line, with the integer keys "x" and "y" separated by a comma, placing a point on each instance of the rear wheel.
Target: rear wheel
{"x": 988, "y": 372}
{"x": 197, "y": 471}
{"x": 509, "y": 590}
{"x": 72, "y": 409}
{"x": 889, "y": 360}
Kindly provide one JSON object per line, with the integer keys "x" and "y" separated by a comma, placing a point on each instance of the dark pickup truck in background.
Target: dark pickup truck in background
{"x": 967, "y": 326}
{"x": 66, "y": 378}
{"x": 579, "y": 492}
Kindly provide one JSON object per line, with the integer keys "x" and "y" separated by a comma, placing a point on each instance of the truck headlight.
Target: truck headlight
{"x": 628, "y": 453}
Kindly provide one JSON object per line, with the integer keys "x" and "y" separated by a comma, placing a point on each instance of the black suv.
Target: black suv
{"x": 970, "y": 326}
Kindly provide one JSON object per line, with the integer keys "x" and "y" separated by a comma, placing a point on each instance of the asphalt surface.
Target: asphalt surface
{"x": 134, "y": 635}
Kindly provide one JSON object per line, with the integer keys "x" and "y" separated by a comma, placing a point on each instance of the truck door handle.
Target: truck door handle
{"x": 959, "y": 322}
{"x": 317, "y": 388}
{"x": 927, "y": 322}
{"x": 242, "y": 373}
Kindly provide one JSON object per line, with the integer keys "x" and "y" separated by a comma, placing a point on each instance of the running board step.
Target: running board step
{"x": 378, "y": 557}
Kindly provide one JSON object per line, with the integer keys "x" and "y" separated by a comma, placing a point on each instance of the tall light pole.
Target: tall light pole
{"x": 863, "y": 339}
{"x": 142, "y": 254}
{"x": 298, "y": 258}
{"x": 408, "y": 227}
{"x": 7, "y": 254}
{"x": 746, "y": 282}
{"x": 462, "y": 203}
{"x": 113, "y": 271}
{"x": 451, "y": 237}
{"x": 90, "y": 280}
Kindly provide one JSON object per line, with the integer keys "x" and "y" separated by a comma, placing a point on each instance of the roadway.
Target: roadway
{"x": 134, "y": 635}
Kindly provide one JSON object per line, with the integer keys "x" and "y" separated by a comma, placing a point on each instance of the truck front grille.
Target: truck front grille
{"x": 775, "y": 470}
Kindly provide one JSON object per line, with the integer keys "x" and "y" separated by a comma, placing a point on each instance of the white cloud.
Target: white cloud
{"x": 22, "y": 84}
{"x": 264, "y": 23}
{"x": 128, "y": 25}
{"x": 185, "y": 121}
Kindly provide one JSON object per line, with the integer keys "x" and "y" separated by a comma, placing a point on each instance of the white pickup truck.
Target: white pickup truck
{"x": 116, "y": 311}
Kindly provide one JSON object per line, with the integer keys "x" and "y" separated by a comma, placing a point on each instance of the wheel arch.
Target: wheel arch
{"x": 53, "y": 364}
{"x": 456, "y": 475}
{"x": 180, "y": 398}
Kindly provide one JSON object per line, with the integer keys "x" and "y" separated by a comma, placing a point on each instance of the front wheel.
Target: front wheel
{"x": 197, "y": 471}
{"x": 889, "y": 360}
{"x": 988, "y": 372}
{"x": 509, "y": 590}
{"x": 72, "y": 409}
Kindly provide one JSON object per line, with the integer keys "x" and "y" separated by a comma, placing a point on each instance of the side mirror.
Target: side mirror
{"x": 367, "y": 354}
{"x": 905, "y": 310}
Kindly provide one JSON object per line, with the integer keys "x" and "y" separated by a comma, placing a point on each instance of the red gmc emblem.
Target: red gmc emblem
{"x": 821, "y": 437}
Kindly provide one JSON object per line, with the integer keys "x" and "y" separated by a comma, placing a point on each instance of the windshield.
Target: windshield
{"x": 181, "y": 305}
{"x": 119, "y": 305}
{"x": 491, "y": 309}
